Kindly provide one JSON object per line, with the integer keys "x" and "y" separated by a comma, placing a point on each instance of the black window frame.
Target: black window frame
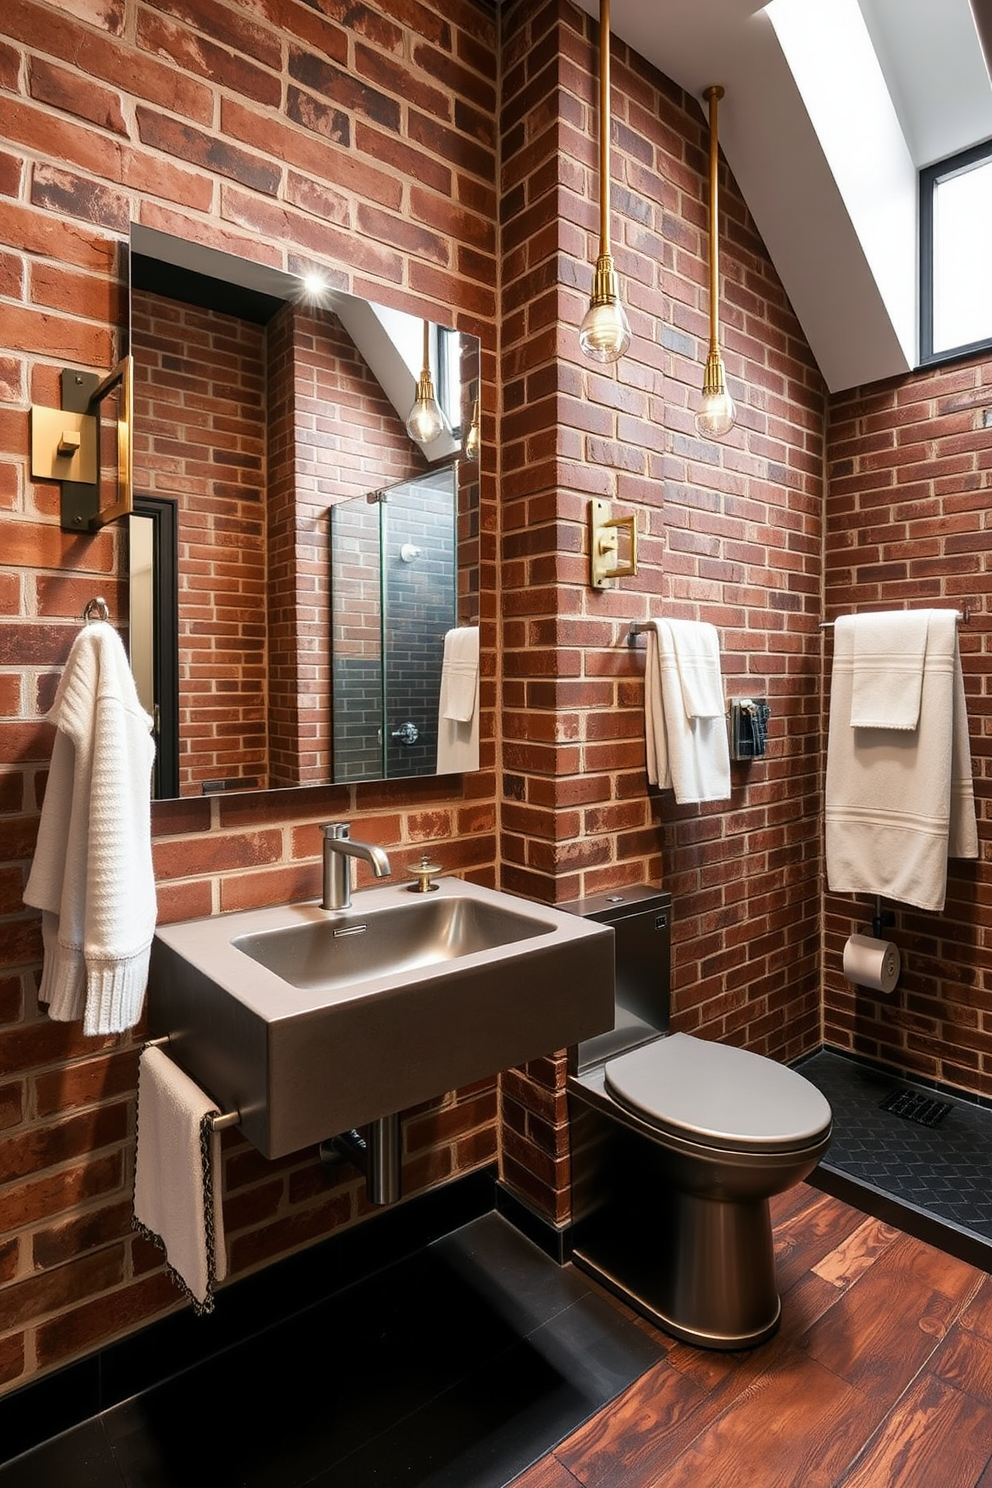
{"x": 931, "y": 176}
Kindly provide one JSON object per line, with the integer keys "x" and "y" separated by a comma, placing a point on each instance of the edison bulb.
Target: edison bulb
{"x": 604, "y": 335}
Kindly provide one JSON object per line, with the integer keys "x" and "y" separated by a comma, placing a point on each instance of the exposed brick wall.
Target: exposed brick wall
{"x": 369, "y": 146}
{"x": 910, "y": 481}
{"x": 729, "y": 533}
{"x": 200, "y": 440}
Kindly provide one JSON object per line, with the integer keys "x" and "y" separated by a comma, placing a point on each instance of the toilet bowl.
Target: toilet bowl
{"x": 678, "y": 1143}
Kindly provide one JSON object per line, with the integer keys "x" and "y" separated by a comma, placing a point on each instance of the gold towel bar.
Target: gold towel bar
{"x": 218, "y": 1122}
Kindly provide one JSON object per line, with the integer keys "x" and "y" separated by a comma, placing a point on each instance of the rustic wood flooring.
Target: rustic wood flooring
{"x": 880, "y": 1377}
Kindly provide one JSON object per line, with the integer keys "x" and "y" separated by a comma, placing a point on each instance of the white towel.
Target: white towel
{"x": 92, "y": 873}
{"x": 688, "y": 752}
{"x": 458, "y": 704}
{"x": 900, "y": 802}
{"x": 460, "y": 674}
{"x": 177, "y": 1184}
{"x": 890, "y": 648}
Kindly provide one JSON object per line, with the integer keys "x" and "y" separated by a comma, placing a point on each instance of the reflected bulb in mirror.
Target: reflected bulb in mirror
{"x": 425, "y": 423}
{"x": 717, "y": 415}
{"x": 604, "y": 334}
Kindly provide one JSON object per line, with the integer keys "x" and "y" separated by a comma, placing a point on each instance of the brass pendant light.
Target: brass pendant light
{"x": 717, "y": 414}
{"x": 605, "y": 333}
{"x": 424, "y": 423}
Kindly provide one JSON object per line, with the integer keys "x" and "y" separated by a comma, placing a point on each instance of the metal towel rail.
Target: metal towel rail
{"x": 220, "y": 1122}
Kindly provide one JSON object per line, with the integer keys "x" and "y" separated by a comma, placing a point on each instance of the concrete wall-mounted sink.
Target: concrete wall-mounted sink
{"x": 313, "y": 1021}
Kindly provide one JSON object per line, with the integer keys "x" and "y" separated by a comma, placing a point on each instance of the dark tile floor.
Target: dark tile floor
{"x": 938, "y": 1180}
{"x": 454, "y": 1368}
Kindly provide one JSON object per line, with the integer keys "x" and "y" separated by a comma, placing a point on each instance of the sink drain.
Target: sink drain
{"x": 910, "y": 1104}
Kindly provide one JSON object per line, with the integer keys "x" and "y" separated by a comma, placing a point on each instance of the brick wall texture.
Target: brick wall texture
{"x": 444, "y": 160}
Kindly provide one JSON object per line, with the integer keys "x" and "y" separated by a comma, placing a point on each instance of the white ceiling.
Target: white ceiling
{"x": 831, "y": 107}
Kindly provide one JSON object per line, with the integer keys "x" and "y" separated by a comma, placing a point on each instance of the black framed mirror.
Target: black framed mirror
{"x": 262, "y": 402}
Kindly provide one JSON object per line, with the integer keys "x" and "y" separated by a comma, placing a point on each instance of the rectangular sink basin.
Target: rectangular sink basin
{"x": 357, "y": 944}
{"x": 310, "y": 1022}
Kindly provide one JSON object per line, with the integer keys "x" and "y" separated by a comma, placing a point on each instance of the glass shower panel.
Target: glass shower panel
{"x": 419, "y": 607}
{"x": 356, "y": 640}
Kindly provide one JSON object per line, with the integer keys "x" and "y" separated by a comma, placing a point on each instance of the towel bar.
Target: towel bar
{"x": 963, "y": 617}
{"x": 220, "y": 1122}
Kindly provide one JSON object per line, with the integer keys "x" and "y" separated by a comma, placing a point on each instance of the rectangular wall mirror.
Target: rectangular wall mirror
{"x": 287, "y": 525}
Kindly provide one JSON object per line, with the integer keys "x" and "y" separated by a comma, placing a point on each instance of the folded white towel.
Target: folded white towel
{"x": 899, "y": 802}
{"x": 177, "y": 1180}
{"x": 689, "y": 753}
{"x": 458, "y": 704}
{"x": 92, "y": 873}
{"x": 697, "y": 655}
{"x": 460, "y": 674}
{"x": 890, "y": 648}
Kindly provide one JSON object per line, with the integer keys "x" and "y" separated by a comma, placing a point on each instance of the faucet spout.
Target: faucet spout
{"x": 338, "y": 848}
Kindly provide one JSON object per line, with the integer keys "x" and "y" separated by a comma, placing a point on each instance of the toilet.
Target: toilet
{"x": 678, "y": 1143}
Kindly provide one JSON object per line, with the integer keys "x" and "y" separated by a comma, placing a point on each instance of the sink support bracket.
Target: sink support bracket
{"x": 377, "y": 1155}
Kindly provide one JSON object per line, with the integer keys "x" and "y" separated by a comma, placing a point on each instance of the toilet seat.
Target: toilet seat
{"x": 718, "y": 1095}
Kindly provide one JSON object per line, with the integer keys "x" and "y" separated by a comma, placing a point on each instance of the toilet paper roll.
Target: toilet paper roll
{"x": 872, "y": 963}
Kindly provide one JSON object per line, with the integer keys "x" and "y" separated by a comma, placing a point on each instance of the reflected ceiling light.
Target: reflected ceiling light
{"x": 717, "y": 414}
{"x": 604, "y": 334}
{"x": 314, "y": 284}
{"x": 425, "y": 423}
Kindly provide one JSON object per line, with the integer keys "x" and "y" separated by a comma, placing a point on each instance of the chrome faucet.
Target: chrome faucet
{"x": 338, "y": 848}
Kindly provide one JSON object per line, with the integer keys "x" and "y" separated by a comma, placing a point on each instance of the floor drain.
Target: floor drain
{"x": 922, "y": 1109}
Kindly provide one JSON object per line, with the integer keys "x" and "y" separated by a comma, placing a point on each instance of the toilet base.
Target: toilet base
{"x": 705, "y": 1273}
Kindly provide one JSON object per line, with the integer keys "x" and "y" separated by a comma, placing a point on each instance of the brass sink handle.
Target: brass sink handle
{"x": 423, "y": 872}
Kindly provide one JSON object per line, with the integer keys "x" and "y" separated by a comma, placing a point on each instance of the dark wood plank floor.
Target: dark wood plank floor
{"x": 880, "y": 1377}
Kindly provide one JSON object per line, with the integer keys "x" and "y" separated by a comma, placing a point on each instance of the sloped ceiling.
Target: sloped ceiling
{"x": 831, "y": 107}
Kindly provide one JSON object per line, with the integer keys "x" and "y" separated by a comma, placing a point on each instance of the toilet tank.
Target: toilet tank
{"x": 641, "y": 918}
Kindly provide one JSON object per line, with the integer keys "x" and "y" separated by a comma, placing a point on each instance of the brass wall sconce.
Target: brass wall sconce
{"x": 717, "y": 414}
{"x": 66, "y": 446}
{"x": 604, "y": 545}
{"x": 424, "y": 422}
{"x": 605, "y": 332}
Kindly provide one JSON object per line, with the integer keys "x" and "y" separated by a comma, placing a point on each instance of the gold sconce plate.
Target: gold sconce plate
{"x": 66, "y": 446}
{"x": 604, "y": 545}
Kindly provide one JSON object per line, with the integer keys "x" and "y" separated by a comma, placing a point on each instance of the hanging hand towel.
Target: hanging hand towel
{"x": 686, "y": 750}
{"x": 177, "y": 1186}
{"x": 899, "y": 802}
{"x": 458, "y": 704}
{"x": 92, "y": 872}
{"x": 889, "y": 653}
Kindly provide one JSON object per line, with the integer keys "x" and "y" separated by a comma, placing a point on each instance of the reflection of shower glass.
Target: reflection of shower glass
{"x": 393, "y": 591}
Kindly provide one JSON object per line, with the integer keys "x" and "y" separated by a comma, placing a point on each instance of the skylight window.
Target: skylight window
{"x": 955, "y": 232}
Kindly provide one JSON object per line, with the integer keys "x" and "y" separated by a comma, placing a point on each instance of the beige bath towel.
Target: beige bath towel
{"x": 899, "y": 802}
{"x": 458, "y": 704}
{"x": 889, "y": 653}
{"x": 686, "y": 751}
{"x": 177, "y": 1186}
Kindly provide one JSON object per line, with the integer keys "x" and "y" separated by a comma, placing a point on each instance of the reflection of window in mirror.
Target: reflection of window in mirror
{"x": 449, "y": 379}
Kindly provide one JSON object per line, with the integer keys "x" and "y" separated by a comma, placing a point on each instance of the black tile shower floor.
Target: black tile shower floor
{"x": 934, "y": 1181}
{"x": 454, "y": 1368}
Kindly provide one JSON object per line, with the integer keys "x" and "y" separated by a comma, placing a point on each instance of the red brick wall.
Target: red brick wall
{"x": 729, "y": 533}
{"x": 370, "y": 146}
{"x": 910, "y": 478}
{"x": 199, "y": 419}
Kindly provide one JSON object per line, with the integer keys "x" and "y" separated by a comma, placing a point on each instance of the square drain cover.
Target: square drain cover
{"x": 923, "y": 1109}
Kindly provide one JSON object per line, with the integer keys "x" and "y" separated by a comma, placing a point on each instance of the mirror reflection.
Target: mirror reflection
{"x": 261, "y": 408}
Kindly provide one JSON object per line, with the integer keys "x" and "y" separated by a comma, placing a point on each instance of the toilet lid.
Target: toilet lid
{"x": 719, "y": 1095}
